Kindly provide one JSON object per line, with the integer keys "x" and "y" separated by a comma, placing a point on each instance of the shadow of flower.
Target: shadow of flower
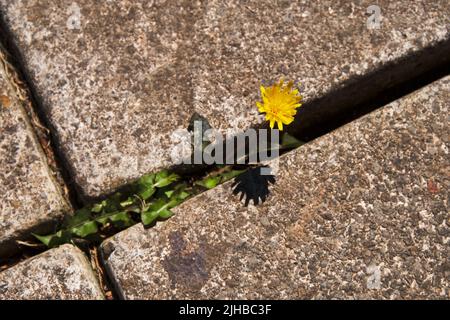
{"x": 253, "y": 185}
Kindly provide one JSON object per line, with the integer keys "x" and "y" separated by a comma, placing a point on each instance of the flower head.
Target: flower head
{"x": 279, "y": 103}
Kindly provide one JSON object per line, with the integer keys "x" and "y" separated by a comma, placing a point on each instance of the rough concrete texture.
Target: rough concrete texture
{"x": 117, "y": 78}
{"x": 360, "y": 213}
{"x": 61, "y": 273}
{"x": 29, "y": 198}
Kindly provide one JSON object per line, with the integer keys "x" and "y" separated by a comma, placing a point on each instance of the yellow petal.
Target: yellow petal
{"x": 289, "y": 121}
{"x": 263, "y": 90}
{"x": 260, "y": 106}
{"x": 280, "y": 125}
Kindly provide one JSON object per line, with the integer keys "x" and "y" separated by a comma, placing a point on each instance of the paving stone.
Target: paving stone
{"x": 30, "y": 200}
{"x": 61, "y": 273}
{"x": 359, "y": 213}
{"x": 117, "y": 78}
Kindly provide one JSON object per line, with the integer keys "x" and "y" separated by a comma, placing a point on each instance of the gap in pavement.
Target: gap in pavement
{"x": 366, "y": 93}
{"x": 360, "y": 96}
{"x": 45, "y": 136}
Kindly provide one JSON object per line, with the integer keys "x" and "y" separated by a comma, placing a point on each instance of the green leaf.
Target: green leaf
{"x": 183, "y": 195}
{"x": 146, "y": 193}
{"x": 146, "y": 180}
{"x": 230, "y": 175}
{"x": 163, "y": 178}
{"x": 98, "y": 207}
{"x": 121, "y": 219}
{"x": 44, "y": 239}
{"x": 159, "y": 208}
{"x": 80, "y": 216}
{"x": 165, "y": 214}
{"x": 209, "y": 182}
{"x": 127, "y": 202}
{"x": 148, "y": 217}
{"x": 177, "y": 196}
{"x": 289, "y": 142}
{"x": 85, "y": 229}
{"x": 169, "y": 193}
{"x": 146, "y": 186}
{"x": 113, "y": 203}
{"x": 102, "y": 220}
{"x": 61, "y": 237}
{"x": 55, "y": 239}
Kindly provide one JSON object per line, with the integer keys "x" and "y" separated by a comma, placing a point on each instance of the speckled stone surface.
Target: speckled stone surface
{"x": 61, "y": 273}
{"x": 360, "y": 213}
{"x": 29, "y": 198}
{"x": 117, "y": 78}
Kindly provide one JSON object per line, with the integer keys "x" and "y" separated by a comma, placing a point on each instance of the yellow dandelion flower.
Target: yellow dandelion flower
{"x": 279, "y": 103}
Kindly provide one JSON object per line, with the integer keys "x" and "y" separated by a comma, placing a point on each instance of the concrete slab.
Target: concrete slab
{"x": 360, "y": 213}
{"x": 61, "y": 273}
{"x": 30, "y": 200}
{"x": 117, "y": 78}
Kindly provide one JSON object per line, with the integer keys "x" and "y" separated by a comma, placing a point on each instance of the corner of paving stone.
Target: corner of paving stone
{"x": 59, "y": 273}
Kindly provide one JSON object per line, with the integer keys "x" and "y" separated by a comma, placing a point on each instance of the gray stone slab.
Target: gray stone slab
{"x": 117, "y": 78}
{"x": 359, "y": 213}
{"x": 61, "y": 273}
{"x": 30, "y": 200}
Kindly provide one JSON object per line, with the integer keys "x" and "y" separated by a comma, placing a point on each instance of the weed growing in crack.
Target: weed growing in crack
{"x": 148, "y": 200}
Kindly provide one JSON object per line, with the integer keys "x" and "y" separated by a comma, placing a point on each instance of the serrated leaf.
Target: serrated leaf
{"x": 85, "y": 229}
{"x": 102, "y": 220}
{"x": 183, "y": 195}
{"x": 165, "y": 214}
{"x": 61, "y": 237}
{"x": 146, "y": 186}
{"x": 121, "y": 219}
{"x": 98, "y": 207}
{"x": 164, "y": 178}
{"x": 209, "y": 182}
{"x": 148, "y": 217}
{"x": 55, "y": 239}
{"x": 177, "y": 196}
{"x": 44, "y": 239}
{"x": 230, "y": 175}
{"x": 113, "y": 203}
{"x": 146, "y": 180}
{"x": 146, "y": 193}
{"x": 159, "y": 208}
{"x": 78, "y": 217}
{"x": 169, "y": 193}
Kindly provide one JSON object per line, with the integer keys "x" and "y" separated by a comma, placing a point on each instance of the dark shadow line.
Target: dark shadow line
{"x": 62, "y": 163}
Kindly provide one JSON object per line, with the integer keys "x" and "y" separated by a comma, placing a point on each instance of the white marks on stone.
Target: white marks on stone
{"x": 374, "y": 279}
{"x": 74, "y": 20}
{"x": 182, "y": 149}
{"x": 374, "y": 21}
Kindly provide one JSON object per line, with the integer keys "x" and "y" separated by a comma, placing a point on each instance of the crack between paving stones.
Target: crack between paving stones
{"x": 107, "y": 286}
{"x": 363, "y": 94}
{"x": 45, "y": 133}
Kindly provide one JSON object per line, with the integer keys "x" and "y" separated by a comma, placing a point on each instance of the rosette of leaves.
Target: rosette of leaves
{"x": 147, "y": 200}
{"x": 151, "y": 198}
